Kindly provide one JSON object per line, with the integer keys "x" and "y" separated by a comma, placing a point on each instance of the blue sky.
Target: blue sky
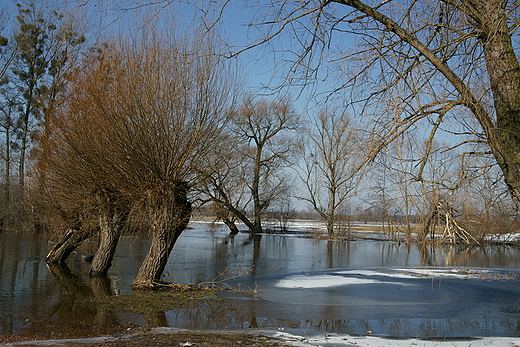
{"x": 259, "y": 65}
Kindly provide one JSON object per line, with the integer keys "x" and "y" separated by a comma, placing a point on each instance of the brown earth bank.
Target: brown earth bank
{"x": 149, "y": 337}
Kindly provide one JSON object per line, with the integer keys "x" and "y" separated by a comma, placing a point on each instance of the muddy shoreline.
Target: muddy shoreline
{"x": 169, "y": 336}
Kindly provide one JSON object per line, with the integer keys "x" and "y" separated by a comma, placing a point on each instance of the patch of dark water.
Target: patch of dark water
{"x": 295, "y": 283}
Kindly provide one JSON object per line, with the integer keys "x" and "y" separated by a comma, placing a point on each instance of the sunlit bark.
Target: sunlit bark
{"x": 67, "y": 244}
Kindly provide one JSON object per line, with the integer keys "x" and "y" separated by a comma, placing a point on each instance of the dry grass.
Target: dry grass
{"x": 147, "y": 302}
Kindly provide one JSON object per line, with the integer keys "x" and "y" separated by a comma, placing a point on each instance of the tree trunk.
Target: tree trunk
{"x": 68, "y": 243}
{"x": 231, "y": 225}
{"x": 110, "y": 232}
{"x": 429, "y": 224}
{"x": 224, "y": 214}
{"x": 25, "y": 136}
{"x": 258, "y": 222}
{"x": 255, "y": 191}
{"x": 330, "y": 226}
{"x": 331, "y": 209}
{"x": 168, "y": 223}
{"x": 243, "y": 218}
{"x": 7, "y": 164}
{"x": 504, "y": 76}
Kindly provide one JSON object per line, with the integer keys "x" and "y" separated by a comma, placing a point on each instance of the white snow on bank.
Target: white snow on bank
{"x": 458, "y": 273}
{"x": 410, "y": 273}
{"x": 373, "y": 341}
{"x": 448, "y": 273}
{"x": 514, "y": 237}
{"x": 299, "y": 226}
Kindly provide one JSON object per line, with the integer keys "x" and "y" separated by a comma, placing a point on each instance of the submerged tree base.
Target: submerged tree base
{"x": 67, "y": 244}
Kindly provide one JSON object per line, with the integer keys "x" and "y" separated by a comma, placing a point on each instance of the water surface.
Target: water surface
{"x": 387, "y": 288}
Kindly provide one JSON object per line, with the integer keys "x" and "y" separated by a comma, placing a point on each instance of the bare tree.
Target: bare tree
{"x": 46, "y": 47}
{"x": 331, "y": 158}
{"x": 8, "y": 106}
{"x": 130, "y": 141}
{"x": 225, "y": 187}
{"x": 253, "y": 177}
{"x": 7, "y": 47}
{"x": 447, "y": 66}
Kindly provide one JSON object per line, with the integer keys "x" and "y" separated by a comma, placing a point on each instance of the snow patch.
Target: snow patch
{"x": 374, "y": 341}
{"x": 327, "y": 281}
{"x": 457, "y": 273}
{"x": 462, "y": 273}
{"x": 399, "y": 274}
{"x": 505, "y": 238}
{"x": 363, "y": 277}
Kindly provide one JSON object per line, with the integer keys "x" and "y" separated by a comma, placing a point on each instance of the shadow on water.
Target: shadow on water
{"x": 295, "y": 283}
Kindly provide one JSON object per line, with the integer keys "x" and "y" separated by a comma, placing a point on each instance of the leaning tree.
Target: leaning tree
{"x": 251, "y": 177}
{"x": 129, "y": 141}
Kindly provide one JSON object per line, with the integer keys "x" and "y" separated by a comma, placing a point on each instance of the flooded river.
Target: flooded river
{"x": 293, "y": 284}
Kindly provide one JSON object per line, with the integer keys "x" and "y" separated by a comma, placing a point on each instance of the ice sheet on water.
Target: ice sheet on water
{"x": 454, "y": 272}
{"x": 367, "y": 276}
{"x": 321, "y": 281}
{"x": 336, "y": 279}
{"x": 392, "y": 274}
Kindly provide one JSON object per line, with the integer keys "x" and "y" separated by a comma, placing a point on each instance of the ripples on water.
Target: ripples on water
{"x": 300, "y": 283}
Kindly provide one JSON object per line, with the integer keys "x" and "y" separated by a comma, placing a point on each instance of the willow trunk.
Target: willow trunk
{"x": 110, "y": 231}
{"x": 68, "y": 243}
{"x": 170, "y": 220}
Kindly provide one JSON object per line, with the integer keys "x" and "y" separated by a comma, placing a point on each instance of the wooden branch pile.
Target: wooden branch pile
{"x": 452, "y": 233}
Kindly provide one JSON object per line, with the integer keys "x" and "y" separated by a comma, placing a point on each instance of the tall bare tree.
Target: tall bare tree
{"x": 225, "y": 187}
{"x": 331, "y": 159}
{"x": 46, "y": 48}
{"x": 8, "y": 103}
{"x": 262, "y": 138}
